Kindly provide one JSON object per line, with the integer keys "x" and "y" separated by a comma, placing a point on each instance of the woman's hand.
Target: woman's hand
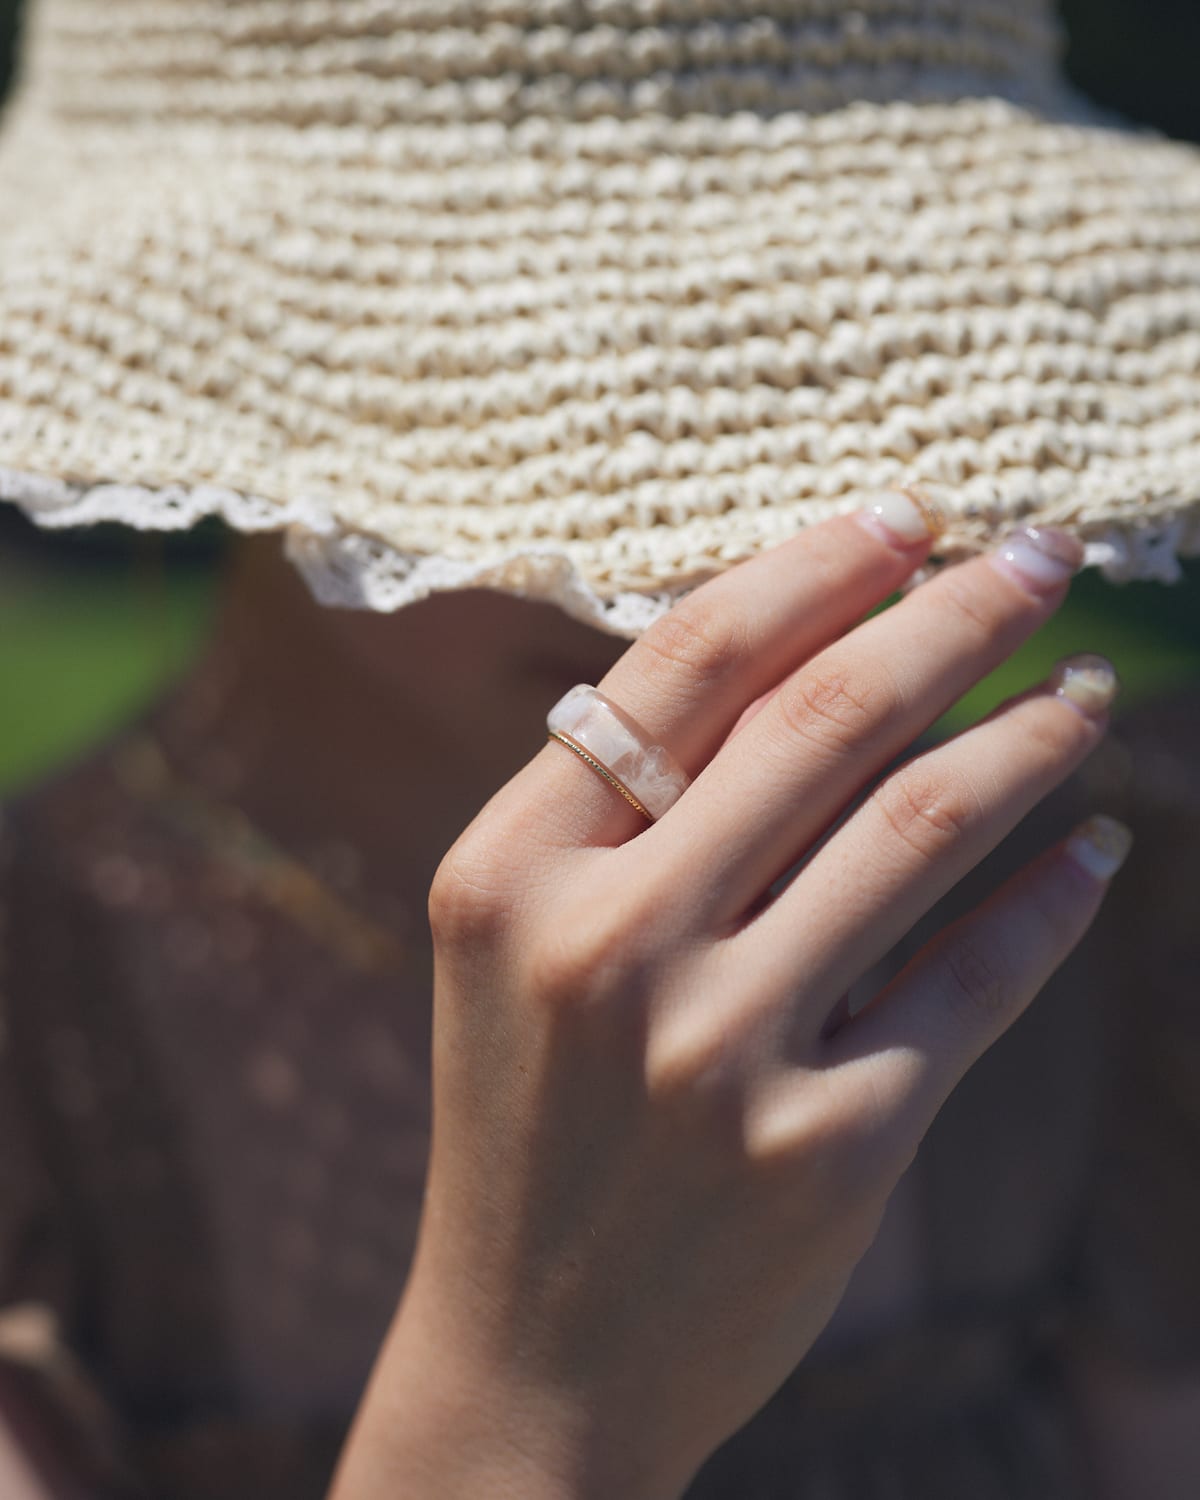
{"x": 660, "y": 1142}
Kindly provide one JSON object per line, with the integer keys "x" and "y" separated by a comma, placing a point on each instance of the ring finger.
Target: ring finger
{"x": 687, "y": 680}
{"x": 922, "y": 829}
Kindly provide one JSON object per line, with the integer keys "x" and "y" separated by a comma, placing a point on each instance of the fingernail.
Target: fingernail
{"x": 1087, "y": 682}
{"x": 1100, "y": 845}
{"x": 1040, "y": 557}
{"x": 901, "y": 517}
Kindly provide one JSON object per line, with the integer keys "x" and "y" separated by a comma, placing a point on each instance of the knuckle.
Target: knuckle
{"x": 579, "y": 962}
{"x": 926, "y": 812}
{"x": 969, "y": 606}
{"x": 468, "y": 899}
{"x": 700, "y": 1084}
{"x": 559, "y": 971}
{"x": 1051, "y": 738}
{"x": 825, "y": 1152}
{"x": 821, "y": 1158}
{"x": 700, "y": 638}
{"x": 979, "y": 982}
{"x": 835, "y": 705}
{"x": 556, "y": 972}
{"x": 1057, "y": 919}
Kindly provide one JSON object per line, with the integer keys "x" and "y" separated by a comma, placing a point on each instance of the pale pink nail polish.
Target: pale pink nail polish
{"x": 1040, "y": 557}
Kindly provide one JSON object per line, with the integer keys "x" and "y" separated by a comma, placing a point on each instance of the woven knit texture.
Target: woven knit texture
{"x": 587, "y": 299}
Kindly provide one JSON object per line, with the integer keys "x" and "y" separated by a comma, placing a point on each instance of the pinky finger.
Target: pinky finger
{"x": 967, "y": 986}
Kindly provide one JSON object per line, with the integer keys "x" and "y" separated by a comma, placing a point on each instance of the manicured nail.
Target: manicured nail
{"x": 1087, "y": 682}
{"x": 1039, "y": 557}
{"x": 902, "y": 518}
{"x": 1100, "y": 845}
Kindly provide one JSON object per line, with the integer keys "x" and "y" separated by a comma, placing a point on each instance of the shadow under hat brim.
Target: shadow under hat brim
{"x": 596, "y": 364}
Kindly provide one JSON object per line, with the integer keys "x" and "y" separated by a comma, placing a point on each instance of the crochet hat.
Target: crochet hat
{"x": 588, "y": 299}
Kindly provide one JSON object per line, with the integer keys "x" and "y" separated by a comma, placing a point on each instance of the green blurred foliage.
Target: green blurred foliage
{"x": 88, "y": 633}
{"x": 92, "y": 625}
{"x": 1151, "y": 632}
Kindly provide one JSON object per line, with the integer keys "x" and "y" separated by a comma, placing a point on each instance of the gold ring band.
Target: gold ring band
{"x": 617, "y": 747}
{"x": 565, "y": 739}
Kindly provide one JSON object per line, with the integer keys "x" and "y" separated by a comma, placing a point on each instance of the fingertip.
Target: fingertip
{"x": 1041, "y": 559}
{"x": 1087, "y": 683}
{"x": 1099, "y": 846}
{"x": 906, "y": 519}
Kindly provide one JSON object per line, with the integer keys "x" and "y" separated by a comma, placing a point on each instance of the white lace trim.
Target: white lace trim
{"x": 344, "y": 569}
{"x": 351, "y": 570}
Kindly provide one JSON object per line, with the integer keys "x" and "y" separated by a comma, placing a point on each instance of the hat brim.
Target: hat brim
{"x": 597, "y": 363}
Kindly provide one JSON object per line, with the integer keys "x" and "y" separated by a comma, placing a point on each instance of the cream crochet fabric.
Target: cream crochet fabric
{"x": 587, "y": 299}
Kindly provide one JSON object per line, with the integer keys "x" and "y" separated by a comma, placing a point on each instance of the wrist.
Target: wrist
{"x": 436, "y": 1425}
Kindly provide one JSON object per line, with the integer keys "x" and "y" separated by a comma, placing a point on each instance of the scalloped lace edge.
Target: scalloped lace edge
{"x": 352, "y": 570}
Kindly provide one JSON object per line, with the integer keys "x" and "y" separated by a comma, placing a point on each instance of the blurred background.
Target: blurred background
{"x": 93, "y": 624}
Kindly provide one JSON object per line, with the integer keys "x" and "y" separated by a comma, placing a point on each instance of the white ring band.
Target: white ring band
{"x": 621, "y": 746}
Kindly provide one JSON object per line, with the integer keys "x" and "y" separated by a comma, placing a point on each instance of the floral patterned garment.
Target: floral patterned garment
{"x": 214, "y": 1109}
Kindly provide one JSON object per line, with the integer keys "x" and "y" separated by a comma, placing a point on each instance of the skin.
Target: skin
{"x": 620, "y": 996}
{"x": 626, "y": 997}
{"x": 387, "y": 721}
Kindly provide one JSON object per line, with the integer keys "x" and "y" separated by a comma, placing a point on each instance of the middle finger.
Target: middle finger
{"x": 834, "y": 724}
